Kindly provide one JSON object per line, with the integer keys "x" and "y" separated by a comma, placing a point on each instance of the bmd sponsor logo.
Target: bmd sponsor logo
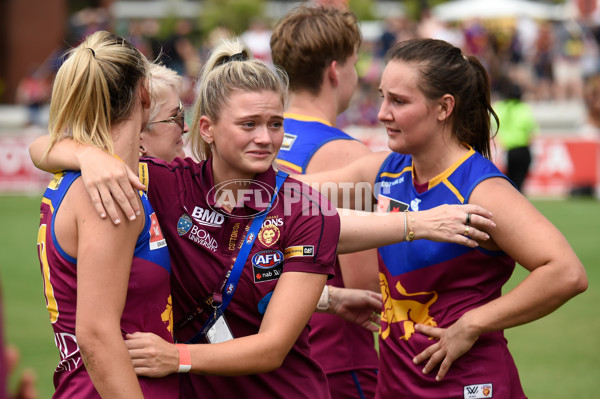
{"x": 208, "y": 217}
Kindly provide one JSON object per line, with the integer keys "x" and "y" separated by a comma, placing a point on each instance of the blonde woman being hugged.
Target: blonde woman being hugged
{"x": 101, "y": 280}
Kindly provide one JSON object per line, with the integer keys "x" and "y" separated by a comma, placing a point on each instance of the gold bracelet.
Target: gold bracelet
{"x": 410, "y": 236}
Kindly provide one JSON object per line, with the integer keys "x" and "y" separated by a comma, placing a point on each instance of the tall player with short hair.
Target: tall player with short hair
{"x": 317, "y": 46}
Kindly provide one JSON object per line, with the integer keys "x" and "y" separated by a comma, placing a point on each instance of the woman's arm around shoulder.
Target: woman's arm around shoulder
{"x": 109, "y": 182}
{"x": 361, "y": 171}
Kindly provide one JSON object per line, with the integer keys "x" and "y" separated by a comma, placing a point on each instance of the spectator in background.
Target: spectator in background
{"x": 257, "y": 38}
{"x": 542, "y": 63}
{"x": 516, "y": 130}
{"x": 33, "y": 91}
{"x": 176, "y": 47}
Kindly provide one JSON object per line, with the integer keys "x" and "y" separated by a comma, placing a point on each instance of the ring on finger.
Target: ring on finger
{"x": 467, "y": 228}
{"x": 468, "y": 219}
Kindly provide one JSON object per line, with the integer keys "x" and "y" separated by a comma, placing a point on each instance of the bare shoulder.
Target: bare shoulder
{"x": 520, "y": 227}
{"x": 498, "y": 193}
{"x": 336, "y": 154}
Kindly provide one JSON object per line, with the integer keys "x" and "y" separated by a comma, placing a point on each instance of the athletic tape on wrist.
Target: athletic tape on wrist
{"x": 324, "y": 300}
{"x": 185, "y": 358}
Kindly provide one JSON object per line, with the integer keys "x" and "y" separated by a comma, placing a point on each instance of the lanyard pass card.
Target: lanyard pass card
{"x": 217, "y": 330}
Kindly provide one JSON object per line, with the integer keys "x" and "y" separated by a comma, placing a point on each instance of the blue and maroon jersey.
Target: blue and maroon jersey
{"x": 299, "y": 234}
{"x": 434, "y": 283}
{"x": 338, "y": 345}
{"x": 147, "y": 307}
{"x": 303, "y": 136}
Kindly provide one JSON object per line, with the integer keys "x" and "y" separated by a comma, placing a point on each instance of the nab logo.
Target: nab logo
{"x": 407, "y": 312}
{"x": 267, "y": 259}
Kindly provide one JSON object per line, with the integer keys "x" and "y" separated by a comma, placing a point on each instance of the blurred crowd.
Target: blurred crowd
{"x": 550, "y": 60}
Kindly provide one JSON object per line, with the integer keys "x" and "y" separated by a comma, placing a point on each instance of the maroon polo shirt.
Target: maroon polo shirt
{"x": 299, "y": 234}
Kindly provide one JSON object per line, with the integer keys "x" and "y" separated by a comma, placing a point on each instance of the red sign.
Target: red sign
{"x": 17, "y": 172}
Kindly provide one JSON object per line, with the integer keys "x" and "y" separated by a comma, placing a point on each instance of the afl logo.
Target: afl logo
{"x": 184, "y": 224}
{"x": 267, "y": 259}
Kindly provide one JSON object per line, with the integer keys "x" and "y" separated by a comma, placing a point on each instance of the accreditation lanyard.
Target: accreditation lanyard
{"x": 222, "y": 297}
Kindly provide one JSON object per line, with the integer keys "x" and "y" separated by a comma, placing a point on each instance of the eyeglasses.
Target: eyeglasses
{"x": 179, "y": 119}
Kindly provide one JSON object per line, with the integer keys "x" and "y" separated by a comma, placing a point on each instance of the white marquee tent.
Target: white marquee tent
{"x": 486, "y": 9}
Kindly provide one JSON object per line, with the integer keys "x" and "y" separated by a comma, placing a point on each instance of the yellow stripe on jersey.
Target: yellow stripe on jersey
{"x": 392, "y": 175}
{"x": 305, "y": 118}
{"x": 290, "y": 165}
{"x": 455, "y": 191}
{"x": 48, "y": 202}
{"x": 443, "y": 177}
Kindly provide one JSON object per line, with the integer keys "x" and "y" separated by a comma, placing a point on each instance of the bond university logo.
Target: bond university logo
{"x": 406, "y": 312}
{"x": 479, "y": 391}
{"x": 186, "y": 226}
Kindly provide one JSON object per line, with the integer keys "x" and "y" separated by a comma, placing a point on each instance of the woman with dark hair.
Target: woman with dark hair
{"x": 442, "y": 303}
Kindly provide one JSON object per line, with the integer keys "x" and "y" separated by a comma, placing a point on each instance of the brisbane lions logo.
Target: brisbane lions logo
{"x": 268, "y": 235}
{"x": 406, "y": 311}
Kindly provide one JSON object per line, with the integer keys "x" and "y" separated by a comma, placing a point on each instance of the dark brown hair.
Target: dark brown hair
{"x": 443, "y": 69}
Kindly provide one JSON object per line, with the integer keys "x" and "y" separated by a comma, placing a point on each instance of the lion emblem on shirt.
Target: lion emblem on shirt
{"x": 406, "y": 311}
{"x": 268, "y": 235}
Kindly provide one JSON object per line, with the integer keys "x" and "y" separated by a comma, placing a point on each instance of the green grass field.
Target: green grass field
{"x": 558, "y": 357}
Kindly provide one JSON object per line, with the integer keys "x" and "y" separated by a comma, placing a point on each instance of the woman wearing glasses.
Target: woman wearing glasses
{"x": 163, "y": 135}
